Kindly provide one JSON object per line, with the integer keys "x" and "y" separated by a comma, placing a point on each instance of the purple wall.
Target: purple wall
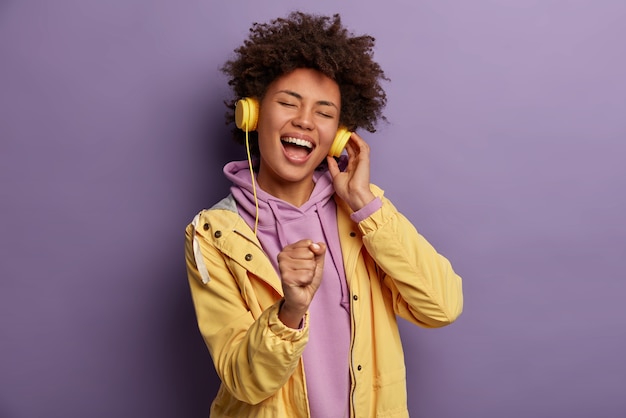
{"x": 506, "y": 146}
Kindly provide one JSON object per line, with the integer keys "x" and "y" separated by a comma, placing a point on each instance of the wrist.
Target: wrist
{"x": 359, "y": 200}
{"x": 291, "y": 317}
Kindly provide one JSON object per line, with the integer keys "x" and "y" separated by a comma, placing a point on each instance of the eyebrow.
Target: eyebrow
{"x": 299, "y": 97}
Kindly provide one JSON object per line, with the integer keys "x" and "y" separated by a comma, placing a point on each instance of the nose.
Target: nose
{"x": 303, "y": 119}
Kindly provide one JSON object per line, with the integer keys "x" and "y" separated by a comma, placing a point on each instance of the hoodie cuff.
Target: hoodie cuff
{"x": 367, "y": 210}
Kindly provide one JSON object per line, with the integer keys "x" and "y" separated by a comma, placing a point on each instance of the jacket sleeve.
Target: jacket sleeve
{"x": 254, "y": 357}
{"x": 424, "y": 287}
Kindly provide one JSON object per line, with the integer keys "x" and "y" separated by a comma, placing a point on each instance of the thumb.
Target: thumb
{"x": 319, "y": 249}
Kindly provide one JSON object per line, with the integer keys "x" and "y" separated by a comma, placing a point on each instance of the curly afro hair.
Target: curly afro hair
{"x": 309, "y": 41}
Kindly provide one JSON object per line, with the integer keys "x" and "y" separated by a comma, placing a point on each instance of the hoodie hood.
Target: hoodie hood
{"x": 272, "y": 209}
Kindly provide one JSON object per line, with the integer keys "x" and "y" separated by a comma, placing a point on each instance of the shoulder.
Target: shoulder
{"x": 228, "y": 203}
{"x": 223, "y": 213}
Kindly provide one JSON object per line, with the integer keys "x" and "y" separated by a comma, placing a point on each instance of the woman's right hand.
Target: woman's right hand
{"x": 301, "y": 267}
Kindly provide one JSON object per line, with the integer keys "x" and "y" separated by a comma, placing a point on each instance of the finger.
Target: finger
{"x": 333, "y": 167}
{"x": 296, "y": 278}
{"x": 351, "y": 149}
{"x": 297, "y": 264}
{"x": 358, "y": 144}
{"x": 303, "y": 243}
{"x": 357, "y": 140}
{"x": 296, "y": 246}
{"x": 295, "y": 255}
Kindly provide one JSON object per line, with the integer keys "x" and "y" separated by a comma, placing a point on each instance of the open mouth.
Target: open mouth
{"x": 296, "y": 148}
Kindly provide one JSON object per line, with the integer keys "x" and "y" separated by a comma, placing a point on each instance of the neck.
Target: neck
{"x": 295, "y": 193}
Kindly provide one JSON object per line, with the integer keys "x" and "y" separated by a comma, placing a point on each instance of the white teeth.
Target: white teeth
{"x": 297, "y": 141}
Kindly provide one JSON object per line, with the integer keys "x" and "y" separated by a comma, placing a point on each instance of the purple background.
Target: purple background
{"x": 506, "y": 146}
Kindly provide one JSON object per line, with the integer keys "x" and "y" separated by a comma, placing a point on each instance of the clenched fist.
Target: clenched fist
{"x": 301, "y": 267}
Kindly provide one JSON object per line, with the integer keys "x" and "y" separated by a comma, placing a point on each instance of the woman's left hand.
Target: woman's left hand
{"x": 353, "y": 184}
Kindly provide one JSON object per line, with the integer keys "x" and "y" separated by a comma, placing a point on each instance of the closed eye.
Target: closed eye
{"x": 286, "y": 104}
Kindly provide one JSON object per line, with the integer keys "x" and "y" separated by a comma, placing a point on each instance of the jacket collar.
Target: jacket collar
{"x": 228, "y": 231}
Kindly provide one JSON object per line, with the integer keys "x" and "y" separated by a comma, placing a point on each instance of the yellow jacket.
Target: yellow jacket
{"x": 390, "y": 269}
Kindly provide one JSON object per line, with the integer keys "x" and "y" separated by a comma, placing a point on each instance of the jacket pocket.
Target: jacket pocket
{"x": 391, "y": 397}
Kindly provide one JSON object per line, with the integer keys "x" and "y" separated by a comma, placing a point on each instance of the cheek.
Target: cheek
{"x": 264, "y": 134}
{"x": 328, "y": 138}
{"x": 263, "y": 144}
{"x": 267, "y": 128}
{"x": 268, "y": 146}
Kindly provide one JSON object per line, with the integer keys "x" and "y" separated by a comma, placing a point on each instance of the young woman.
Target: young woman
{"x": 298, "y": 276}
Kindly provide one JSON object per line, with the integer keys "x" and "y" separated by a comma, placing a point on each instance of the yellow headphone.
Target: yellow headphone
{"x": 247, "y": 116}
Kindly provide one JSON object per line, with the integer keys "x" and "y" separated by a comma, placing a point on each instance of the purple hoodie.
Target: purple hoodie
{"x": 326, "y": 357}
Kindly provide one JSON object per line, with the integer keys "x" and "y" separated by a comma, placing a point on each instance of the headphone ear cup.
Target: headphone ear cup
{"x": 247, "y": 114}
{"x": 341, "y": 139}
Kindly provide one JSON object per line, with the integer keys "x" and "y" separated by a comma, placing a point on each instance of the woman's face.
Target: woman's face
{"x": 298, "y": 120}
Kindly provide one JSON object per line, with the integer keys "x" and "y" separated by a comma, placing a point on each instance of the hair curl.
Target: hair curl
{"x": 309, "y": 41}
